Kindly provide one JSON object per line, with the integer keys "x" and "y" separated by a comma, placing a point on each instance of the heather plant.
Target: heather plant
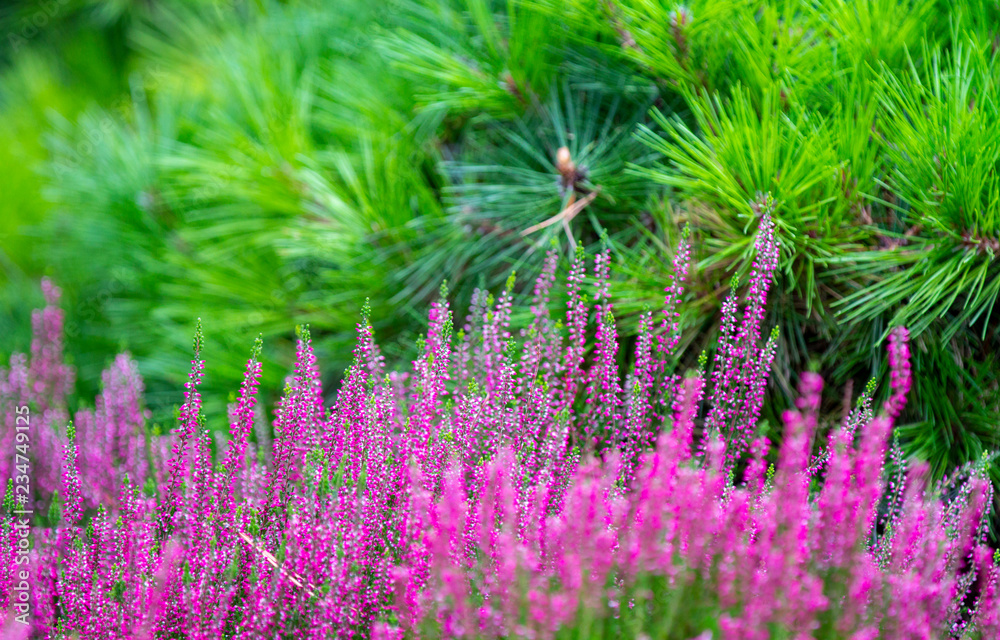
{"x": 501, "y": 488}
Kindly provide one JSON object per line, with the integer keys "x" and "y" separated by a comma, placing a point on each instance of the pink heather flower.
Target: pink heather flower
{"x": 899, "y": 365}
{"x": 72, "y": 496}
{"x": 670, "y": 329}
{"x": 498, "y": 491}
{"x": 741, "y": 364}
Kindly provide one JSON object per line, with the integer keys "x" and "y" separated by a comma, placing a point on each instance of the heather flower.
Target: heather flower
{"x": 499, "y": 492}
{"x": 741, "y": 364}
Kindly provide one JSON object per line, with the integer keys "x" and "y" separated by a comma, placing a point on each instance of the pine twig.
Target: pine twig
{"x": 566, "y": 215}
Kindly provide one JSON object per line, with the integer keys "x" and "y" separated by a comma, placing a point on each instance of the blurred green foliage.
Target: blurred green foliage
{"x": 262, "y": 164}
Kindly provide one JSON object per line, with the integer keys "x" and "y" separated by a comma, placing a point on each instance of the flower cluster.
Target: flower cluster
{"x": 500, "y": 489}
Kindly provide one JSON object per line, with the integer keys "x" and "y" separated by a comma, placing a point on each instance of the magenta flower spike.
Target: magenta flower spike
{"x": 741, "y": 364}
{"x": 72, "y": 494}
{"x": 179, "y": 466}
{"x": 239, "y": 430}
